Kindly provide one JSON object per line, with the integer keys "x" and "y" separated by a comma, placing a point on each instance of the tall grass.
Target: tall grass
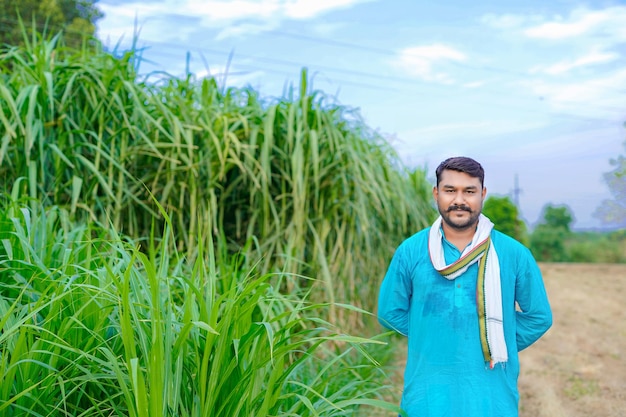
{"x": 92, "y": 326}
{"x": 186, "y": 249}
{"x": 317, "y": 191}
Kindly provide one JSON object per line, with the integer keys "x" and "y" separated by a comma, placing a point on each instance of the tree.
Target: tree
{"x": 547, "y": 242}
{"x": 558, "y": 217}
{"x": 505, "y": 217}
{"x": 76, "y": 18}
{"x": 613, "y": 212}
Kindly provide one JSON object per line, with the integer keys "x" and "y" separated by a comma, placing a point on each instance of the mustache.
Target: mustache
{"x": 459, "y": 207}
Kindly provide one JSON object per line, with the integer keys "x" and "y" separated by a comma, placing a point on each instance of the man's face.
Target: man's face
{"x": 459, "y": 199}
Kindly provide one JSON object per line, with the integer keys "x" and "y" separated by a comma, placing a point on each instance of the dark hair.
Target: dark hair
{"x": 462, "y": 164}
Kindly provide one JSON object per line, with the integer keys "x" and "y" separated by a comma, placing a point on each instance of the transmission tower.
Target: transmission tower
{"x": 516, "y": 192}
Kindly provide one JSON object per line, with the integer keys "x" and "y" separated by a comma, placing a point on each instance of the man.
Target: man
{"x": 452, "y": 289}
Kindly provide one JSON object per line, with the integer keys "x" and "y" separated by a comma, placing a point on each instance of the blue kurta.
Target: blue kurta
{"x": 446, "y": 374}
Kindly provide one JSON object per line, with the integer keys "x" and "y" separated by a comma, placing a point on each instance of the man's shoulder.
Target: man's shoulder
{"x": 418, "y": 241}
{"x": 417, "y": 237}
{"x": 413, "y": 250}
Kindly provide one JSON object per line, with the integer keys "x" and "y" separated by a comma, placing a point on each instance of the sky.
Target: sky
{"x": 532, "y": 89}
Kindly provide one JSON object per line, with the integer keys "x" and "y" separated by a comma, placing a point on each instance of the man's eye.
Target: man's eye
{"x": 470, "y": 191}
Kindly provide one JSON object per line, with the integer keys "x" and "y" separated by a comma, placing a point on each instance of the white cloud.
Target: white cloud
{"x": 210, "y": 10}
{"x": 327, "y": 29}
{"x": 307, "y": 9}
{"x": 593, "y": 58}
{"x": 507, "y": 21}
{"x": 219, "y": 11}
{"x": 431, "y": 144}
{"x": 582, "y": 22}
{"x": 605, "y": 26}
{"x": 231, "y": 76}
{"x": 419, "y": 61}
{"x": 474, "y": 84}
{"x": 489, "y": 131}
{"x": 243, "y": 29}
{"x": 598, "y": 97}
{"x": 588, "y": 40}
{"x": 559, "y": 30}
{"x": 453, "y": 127}
{"x": 234, "y": 17}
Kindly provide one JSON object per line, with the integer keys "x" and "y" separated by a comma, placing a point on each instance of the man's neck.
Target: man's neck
{"x": 459, "y": 238}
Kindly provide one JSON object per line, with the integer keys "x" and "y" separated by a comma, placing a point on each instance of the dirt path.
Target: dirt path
{"x": 578, "y": 369}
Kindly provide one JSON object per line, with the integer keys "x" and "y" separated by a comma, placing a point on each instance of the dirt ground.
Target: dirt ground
{"x": 578, "y": 369}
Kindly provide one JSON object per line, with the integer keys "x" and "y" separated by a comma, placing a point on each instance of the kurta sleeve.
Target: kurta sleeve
{"x": 535, "y": 317}
{"x": 394, "y": 297}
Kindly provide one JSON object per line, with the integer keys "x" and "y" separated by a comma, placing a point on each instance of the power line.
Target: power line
{"x": 329, "y": 42}
{"x": 408, "y": 84}
{"x": 390, "y": 52}
{"x": 342, "y": 44}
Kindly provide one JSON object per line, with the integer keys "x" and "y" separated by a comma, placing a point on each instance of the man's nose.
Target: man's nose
{"x": 459, "y": 197}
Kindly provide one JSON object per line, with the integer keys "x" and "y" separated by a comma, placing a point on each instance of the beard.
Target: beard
{"x": 459, "y": 224}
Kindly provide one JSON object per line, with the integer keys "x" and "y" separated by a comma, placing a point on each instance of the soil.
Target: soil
{"x": 578, "y": 368}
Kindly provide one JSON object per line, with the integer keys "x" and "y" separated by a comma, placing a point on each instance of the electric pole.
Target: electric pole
{"x": 516, "y": 192}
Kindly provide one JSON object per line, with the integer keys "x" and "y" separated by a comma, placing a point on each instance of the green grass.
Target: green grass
{"x": 318, "y": 192}
{"x": 578, "y": 387}
{"x": 93, "y": 326}
{"x": 173, "y": 247}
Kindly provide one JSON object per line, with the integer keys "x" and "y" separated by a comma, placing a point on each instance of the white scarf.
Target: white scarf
{"x": 490, "y": 317}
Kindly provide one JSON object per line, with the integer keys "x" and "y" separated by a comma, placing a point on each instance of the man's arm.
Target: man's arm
{"x": 535, "y": 317}
{"x": 395, "y": 295}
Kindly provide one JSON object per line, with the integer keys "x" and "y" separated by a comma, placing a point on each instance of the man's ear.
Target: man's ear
{"x": 484, "y": 193}
{"x": 435, "y": 192}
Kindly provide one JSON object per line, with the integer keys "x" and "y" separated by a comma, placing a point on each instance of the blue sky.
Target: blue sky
{"x": 532, "y": 89}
